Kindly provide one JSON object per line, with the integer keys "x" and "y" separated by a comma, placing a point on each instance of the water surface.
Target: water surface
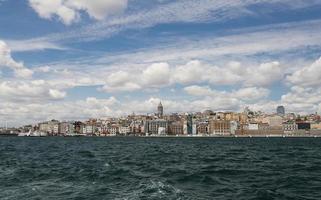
{"x": 160, "y": 168}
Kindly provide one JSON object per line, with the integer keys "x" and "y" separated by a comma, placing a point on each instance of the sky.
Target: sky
{"x": 79, "y": 59}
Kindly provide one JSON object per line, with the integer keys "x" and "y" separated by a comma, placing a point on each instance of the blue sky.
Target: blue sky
{"x": 77, "y": 59}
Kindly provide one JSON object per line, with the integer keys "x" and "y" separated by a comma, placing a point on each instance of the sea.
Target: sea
{"x": 160, "y": 168}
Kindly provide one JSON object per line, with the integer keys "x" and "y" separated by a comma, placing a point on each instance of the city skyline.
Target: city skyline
{"x": 199, "y": 124}
{"x": 77, "y": 60}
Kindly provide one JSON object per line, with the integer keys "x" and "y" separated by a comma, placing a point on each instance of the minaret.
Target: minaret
{"x": 160, "y": 110}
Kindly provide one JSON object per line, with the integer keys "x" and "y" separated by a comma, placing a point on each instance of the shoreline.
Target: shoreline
{"x": 175, "y": 136}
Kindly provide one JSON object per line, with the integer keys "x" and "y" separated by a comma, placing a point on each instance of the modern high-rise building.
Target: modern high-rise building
{"x": 280, "y": 110}
{"x": 160, "y": 110}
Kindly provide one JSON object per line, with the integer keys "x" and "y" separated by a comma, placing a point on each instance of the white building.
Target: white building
{"x": 161, "y": 131}
{"x": 113, "y": 130}
{"x": 124, "y": 130}
{"x": 253, "y": 126}
{"x": 89, "y": 129}
{"x": 65, "y": 128}
{"x": 290, "y": 127}
{"x": 194, "y": 129}
{"x": 51, "y": 127}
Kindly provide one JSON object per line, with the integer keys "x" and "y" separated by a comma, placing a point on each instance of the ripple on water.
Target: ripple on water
{"x": 165, "y": 168}
{"x": 152, "y": 189}
{"x": 86, "y": 154}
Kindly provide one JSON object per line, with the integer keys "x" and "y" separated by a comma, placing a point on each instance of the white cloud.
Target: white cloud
{"x": 121, "y": 88}
{"x": 46, "y": 10}
{"x": 23, "y": 72}
{"x": 307, "y": 76}
{"x": 302, "y": 95}
{"x": 56, "y": 94}
{"x": 251, "y": 93}
{"x": 120, "y": 81}
{"x": 153, "y": 76}
{"x": 243, "y": 94}
{"x": 7, "y": 61}
{"x": 240, "y": 44}
{"x": 25, "y": 91}
{"x": 189, "y": 73}
{"x": 68, "y": 11}
{"x": 118, "y": 78}
{"x": 264, "y": 74}
{"x": 43, "y": 69}
{"x": 17, "y": 113}
{"x": 174, "y": 11}
{"x": 196, "y": 90}
{"x": 235, "y": 100}
{"x": 157, "y": 74}
{"x": 98, "y": 9}
{"x": 233, "y": 73}
{"x": 33, "y": 45}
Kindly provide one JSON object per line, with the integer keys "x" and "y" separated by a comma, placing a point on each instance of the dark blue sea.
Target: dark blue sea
{"x": 160, "y": 168}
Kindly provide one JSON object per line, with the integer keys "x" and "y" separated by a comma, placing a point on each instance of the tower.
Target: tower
{"x": 280, "y": 110}
{"x": 160, "y": 110}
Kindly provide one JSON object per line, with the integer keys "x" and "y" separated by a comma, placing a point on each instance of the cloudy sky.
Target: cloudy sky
{"x": 77, "y": 59}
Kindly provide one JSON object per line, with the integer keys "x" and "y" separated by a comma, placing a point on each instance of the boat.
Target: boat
{"x": 38, "y": 134}
{"x": 24, "y": 134}
{"x": 33, "y": 134}
{"x": 74, "y": 135}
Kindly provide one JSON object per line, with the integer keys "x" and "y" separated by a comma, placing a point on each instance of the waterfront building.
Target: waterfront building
{"x": 63, "y": 128}
{"x": 304, "y": 126}
{"x": 137, "y": 127}
{"x": 79, "y": 127}
{"x": 202, "y": 128}
{"x": 152, "y": 126}
{"x": 124, "y": 130}
{"x": 53, "y": 127}
{"x": 50, "y": 127}
{"x": 66, "y": 128}
{"x": 233, "y": 127}
{"x": 259, "y": 129}
{"x": 44, "y": 127}
{"x": 264, "y": 127}
{"x": 253, "y": 126}
{"x": 162, "y": 131}
{"x": 220, "y": 127}
{"x": 113, "y": 129}
{"x": 89, "y": 129}
{"x": 176, "y": 128}
{"x": 290, "y": 127}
